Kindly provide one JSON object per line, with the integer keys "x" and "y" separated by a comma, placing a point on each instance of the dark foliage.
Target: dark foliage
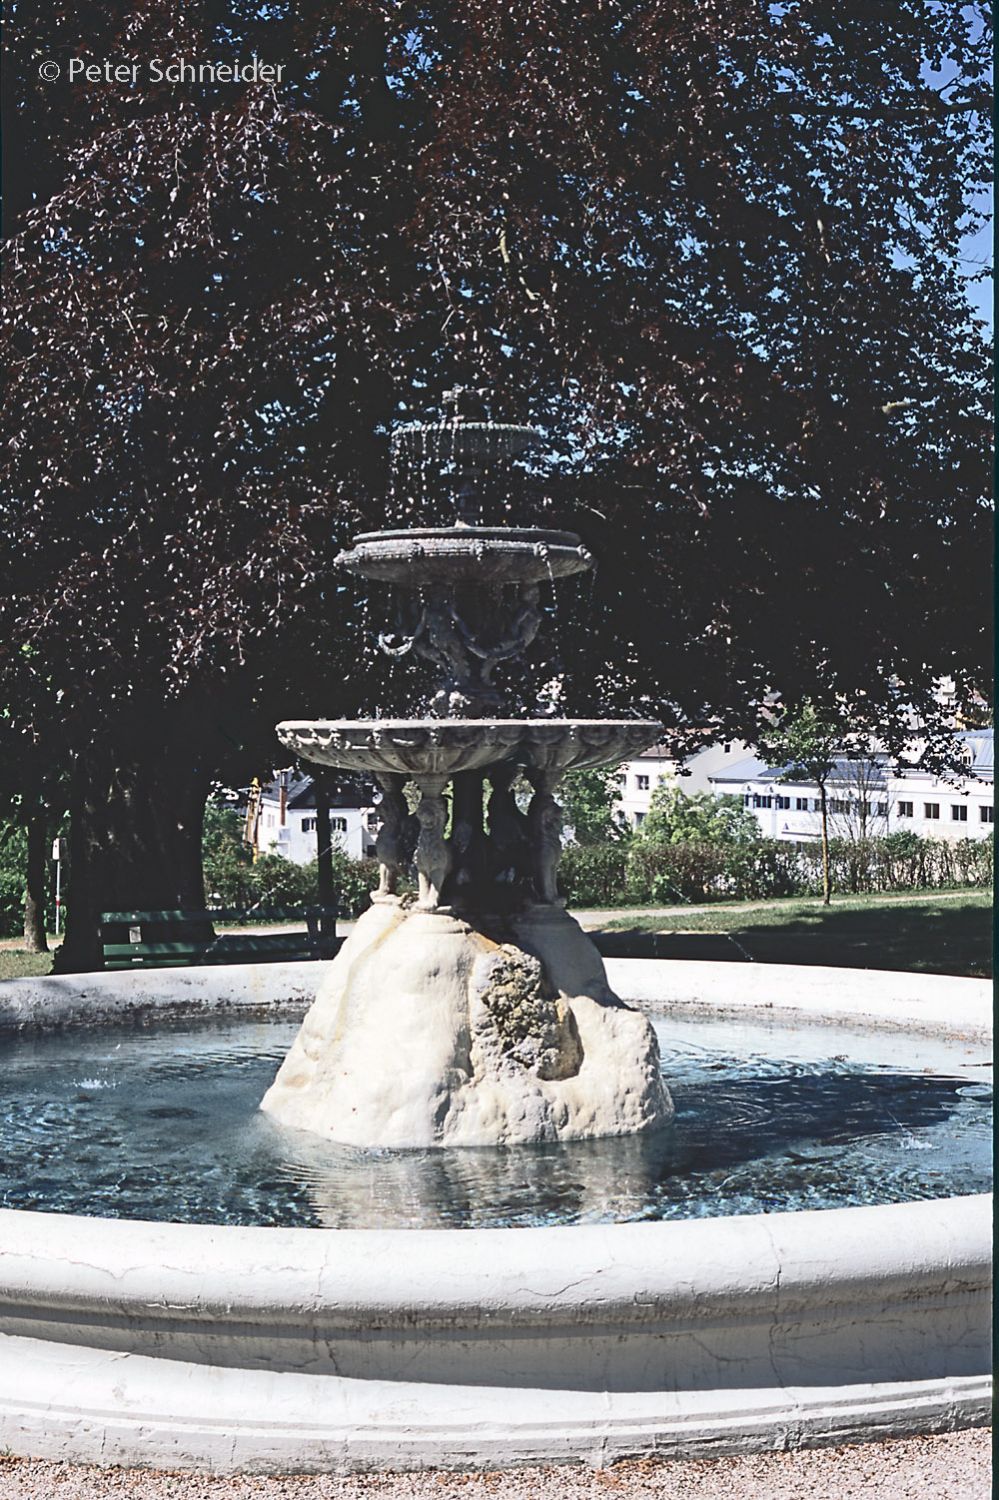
{"x": 711, "y": 247}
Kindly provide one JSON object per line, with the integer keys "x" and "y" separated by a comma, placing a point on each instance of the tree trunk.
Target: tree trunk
{"x": 136, "y": 816}
{"x": 826, "y": 881}
{"x": 34, "y": 886}
{"x": 324, "y": 850}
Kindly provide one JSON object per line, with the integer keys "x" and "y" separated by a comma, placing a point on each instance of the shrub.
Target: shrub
{"x": 679, "y": 817}
{"x": 233, "y": 878}
{"x": 13, "y": 863}
{"x": 594, "y": 874}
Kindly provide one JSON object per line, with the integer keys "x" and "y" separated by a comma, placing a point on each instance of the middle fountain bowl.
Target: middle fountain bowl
{"x": 414, "y": 747}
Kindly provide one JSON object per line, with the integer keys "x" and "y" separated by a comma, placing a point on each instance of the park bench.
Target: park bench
{"x": 158, "y": 939}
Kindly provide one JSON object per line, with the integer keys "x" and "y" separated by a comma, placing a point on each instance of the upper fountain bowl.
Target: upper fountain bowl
{"x": 466, "y": 554}
{"x": 457, "y": 437}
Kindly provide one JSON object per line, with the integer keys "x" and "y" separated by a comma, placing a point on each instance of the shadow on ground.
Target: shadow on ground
{"x": 952, "y": 938}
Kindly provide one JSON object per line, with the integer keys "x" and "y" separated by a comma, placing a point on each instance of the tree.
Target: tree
{"x": 729, "y": 285}
{"x": 806, "y": 745}
{"x": 860, "y": 780}
{"x": 676, "y": 817}
{"x": 588, "y": 798}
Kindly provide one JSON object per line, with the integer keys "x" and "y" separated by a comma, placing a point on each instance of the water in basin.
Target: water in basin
{"x": 164, "y": 1124}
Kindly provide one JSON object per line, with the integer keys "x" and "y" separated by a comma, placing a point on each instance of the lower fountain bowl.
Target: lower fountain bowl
{"x": 447, "y": 746}
{"x": 277, "y": 1350}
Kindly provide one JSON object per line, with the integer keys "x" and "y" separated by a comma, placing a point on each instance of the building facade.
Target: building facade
{"x": 286, "y": 823}
{"x": 866, "y": 798}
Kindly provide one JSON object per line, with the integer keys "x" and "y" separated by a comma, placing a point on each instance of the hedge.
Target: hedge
{"x": 647, "y": 873}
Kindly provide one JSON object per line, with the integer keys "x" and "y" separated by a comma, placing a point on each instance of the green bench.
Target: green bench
{"x": 173, "y": 939}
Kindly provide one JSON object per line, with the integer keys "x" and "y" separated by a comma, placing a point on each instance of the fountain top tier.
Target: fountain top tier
{"x": 468, "y": 596}
{"x": 466, "y": 452}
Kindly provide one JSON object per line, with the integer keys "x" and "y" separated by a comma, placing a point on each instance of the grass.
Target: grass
{"x": 935, "y": 932}
{"x": 16, "y": 963}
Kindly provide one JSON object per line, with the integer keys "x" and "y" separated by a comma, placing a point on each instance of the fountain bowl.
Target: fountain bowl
{"x": 466, "y": 554}
{"x": 269, "y": 1350}
{"x": 447, "y": 746}
{"x": 468, "y": 438}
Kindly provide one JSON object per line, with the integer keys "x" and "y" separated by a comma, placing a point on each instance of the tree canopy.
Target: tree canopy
{"x": 712, "y": 248}
{"x": 676, "y": 816}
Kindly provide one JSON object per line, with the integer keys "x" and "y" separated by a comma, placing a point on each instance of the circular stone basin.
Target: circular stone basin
{"x": 446, "y": 746}
{"x": 466, "y": 554}
{"x": 127, "y": 1123}
{"x": 280, "y": 1349}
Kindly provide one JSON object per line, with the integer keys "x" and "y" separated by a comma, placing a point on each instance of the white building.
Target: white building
{"x": 286, "y": 818}
{"x": 867, "y": 797}
{"x": 871, "y": 797}
{"x": 641, "y": 776}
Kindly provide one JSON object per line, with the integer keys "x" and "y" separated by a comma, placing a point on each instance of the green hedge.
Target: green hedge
{"x": 645, "y": 873}
{"x": 273, "y": 881}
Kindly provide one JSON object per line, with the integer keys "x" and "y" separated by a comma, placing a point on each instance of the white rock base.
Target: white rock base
{"x": 430, "y": 1029}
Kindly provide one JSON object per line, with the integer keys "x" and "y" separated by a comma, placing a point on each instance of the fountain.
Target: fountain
{"x": 169, "y": 1297}
{"x": 489, "y": 991}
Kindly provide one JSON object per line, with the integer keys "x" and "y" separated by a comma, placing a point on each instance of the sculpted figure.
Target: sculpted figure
{"x": 509, "y": 837}
{"x": 433, "y": 857}
{"x": 395, "y": 841}
{"x": 544, "y": 821}
{"x": 492, "y": 646}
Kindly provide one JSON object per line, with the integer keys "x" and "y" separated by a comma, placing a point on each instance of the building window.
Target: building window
{"x": 759, "y": 801}
{"x": 931, "y": 809}
{"x": 338, "y": 825}
{"x": 905, "y": 809}
{"x": 784, "y": 803}
{"x": 642, "y": 782}
{"x": 639, "y": 819}
{"x": 816, "y": 804}
{"x": 308, "y": 825}
{"x": 801, "y": 804}
{"x": 839, "y": 805}
{"x": 959, "y": 812}
{"x": 881, "y": 811}
{"x": 986, "y": 815}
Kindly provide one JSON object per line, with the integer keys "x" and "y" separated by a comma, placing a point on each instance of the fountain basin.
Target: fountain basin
{"x": 446, "y": 746}
{"x": 277, "y": 1350}
{"x": 466, "y": 554}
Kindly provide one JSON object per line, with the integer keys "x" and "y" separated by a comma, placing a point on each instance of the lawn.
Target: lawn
{"x": 934, "y": 932}
{"x": 15, "y": 963}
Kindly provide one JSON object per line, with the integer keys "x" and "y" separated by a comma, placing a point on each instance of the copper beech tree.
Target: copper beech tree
{"x": 713, "y": 247}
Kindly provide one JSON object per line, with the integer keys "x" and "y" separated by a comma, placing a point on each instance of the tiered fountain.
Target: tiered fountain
{"x": 477, "y": 1012}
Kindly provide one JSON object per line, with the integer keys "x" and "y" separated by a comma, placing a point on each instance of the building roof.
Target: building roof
{"x": 344, "y": 791}
{"x": 978, "y": 744}
{"x": 843, "y": 772}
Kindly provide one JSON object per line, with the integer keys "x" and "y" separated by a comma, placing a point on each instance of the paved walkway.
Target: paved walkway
{"x": 953, "y": 1466}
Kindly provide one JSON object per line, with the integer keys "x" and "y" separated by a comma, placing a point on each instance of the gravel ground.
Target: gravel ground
{"x": 952, "y": 1466}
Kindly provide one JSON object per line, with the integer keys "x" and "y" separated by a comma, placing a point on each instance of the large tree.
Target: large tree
{"x": 713, "y": 248}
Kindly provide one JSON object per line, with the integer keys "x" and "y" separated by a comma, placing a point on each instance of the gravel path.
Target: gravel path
{"x": 952, "y": 1466}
